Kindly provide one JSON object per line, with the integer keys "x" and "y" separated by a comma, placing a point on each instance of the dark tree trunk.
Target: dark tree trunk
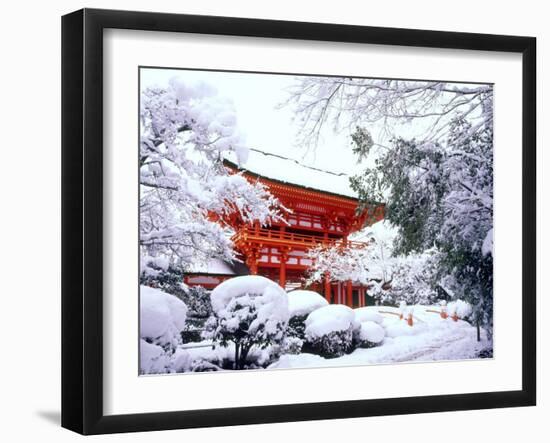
{"x": 478, "y": 331}
{"x": 244, "y": 354}
{"x": 236, "y": 363}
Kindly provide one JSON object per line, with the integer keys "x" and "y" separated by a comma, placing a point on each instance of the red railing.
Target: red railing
{"x": 278, "y": 237}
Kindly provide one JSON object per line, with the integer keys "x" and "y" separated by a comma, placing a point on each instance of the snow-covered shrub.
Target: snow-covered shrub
{"x": 369, "y": 334}
{"x": 197, "y": 300}
{"x": 292, "y": 345}
{"x": 181, "y": 361}
{"x": 329, "y": 330}
{"x": 162, "y": 318}
{"x": 300, "y": 304}
{"x": 459, "y": 307}
{"x": 248, "y": 311}
{"x": 153, "y": 359}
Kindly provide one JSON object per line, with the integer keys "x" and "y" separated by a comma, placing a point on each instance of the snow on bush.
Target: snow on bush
{"x": 162, "y": 317}
{"x": 370, "y": 334}
{"x": 181, "y": 361}
{"x": 368, "y": 313}
{"x": 460, "y": 307}
{"x": 152, "y": 359}
{"x": 248, "y": 311}
{"x": 331, "y": 318}
{"x": 329, "y": 330}
{"x": 302, "y": 302}
{"x": 292, "y": 345}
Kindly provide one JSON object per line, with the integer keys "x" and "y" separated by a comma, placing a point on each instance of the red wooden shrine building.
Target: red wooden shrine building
{"x": 279, "y": 252}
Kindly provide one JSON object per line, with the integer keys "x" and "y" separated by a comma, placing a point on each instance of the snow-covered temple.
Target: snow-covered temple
{"x": 323, "y": 210}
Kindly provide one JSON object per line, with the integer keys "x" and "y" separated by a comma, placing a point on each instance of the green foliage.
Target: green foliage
{"x": 331, "y": 345}
{"x": 296, "y": 327}
{"x": 439, "y": 195}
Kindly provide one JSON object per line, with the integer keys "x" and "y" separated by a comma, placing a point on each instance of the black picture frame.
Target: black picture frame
{"x": 82, "y": 218}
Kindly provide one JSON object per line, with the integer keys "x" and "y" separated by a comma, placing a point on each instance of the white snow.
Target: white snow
{"x": 152, "y": 358}
{"x": 487, "y": 247}
{"x": 181, "y": 360}
{"x": 368, "y": 313}
{"x": 460, "y": 307}
{"x": 267, "y": 297}
{"x": 253, "y": 285}
{"x": 372, "y": 332}
{"x": 302, "y": 302}
{"x": 214, "y": 266}
{"x": 162, "y": 316}
{"x": 430, "y": 339}
{"x": 331, "y": 318}
{"x": 293, "y": 171}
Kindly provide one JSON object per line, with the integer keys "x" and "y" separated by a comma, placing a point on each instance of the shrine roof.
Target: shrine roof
{"x": 291, "y": 172}
{"x": 219, "y": 267}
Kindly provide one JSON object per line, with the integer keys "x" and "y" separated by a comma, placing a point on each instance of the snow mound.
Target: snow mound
{"x": 162, "y": 316}
{"x": 368, "y": 313}
{"x": 331, "y": 318}
{"x": 181, "y": 360}
{"x": 371, "y": 332}
{"x": 253, "y": 285}
{"x": 460, "y": 307}
{"x": 302, "y": 360}
{"x": 302, "y": 302}
{"x": 152, "y": 358}
{"x": 398, "y": 328}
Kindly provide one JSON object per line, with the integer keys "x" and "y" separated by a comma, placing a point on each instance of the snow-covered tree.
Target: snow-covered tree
{"x": 442, "y": 195}
{"x": 414, "y": 278}
{"x": 391, "y": 105}
{"x": 248, "y": 311}
{"x": 428, "y": 150}
{"x": 185, "y": 190}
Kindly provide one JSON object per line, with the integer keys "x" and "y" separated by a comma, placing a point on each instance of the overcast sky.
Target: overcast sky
{"x": 256, "y": 98}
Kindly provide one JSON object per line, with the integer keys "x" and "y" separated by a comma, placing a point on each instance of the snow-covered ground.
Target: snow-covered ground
{"x": 430, "y": 338}
{"x": 254, "y": 311}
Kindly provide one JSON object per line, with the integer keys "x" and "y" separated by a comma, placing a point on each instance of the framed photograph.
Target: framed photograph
{"x": 269, "y": 221}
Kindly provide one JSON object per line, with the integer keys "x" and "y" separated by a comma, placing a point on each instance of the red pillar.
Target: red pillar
{"x": 327, "y": 288}
{"x": 252, "y": 262}
{"x": 282, "y": 270}
{"x": 349, "y": 294}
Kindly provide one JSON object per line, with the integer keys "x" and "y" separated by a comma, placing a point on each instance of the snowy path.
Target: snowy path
{"x": 430, "y": 339}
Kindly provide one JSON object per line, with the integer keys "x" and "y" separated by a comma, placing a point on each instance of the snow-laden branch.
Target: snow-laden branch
{"x": 185, "y": 189}
{"x": 350, "y": 102}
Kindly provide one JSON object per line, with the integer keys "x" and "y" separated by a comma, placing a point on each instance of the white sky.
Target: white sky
{"x": 255, "y": 97}
{"x": 268, "y": 127}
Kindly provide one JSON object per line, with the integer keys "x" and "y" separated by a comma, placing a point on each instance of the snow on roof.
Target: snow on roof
{"x": 293, "y": 172}
{"x": 214, "y": 266}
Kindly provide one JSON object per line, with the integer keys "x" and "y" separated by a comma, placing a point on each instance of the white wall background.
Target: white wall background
{"x": 30, "y": 217}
